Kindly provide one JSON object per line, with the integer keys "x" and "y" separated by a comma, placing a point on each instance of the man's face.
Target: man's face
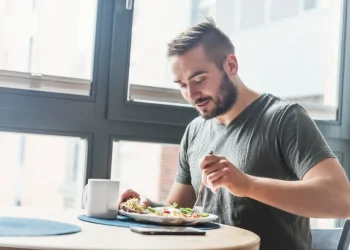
{"x": 202, "y": 84}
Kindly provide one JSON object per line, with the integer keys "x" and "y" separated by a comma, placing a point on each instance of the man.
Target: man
{"x": 271, "y": 169}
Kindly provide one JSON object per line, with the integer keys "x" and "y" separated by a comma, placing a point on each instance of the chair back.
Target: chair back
{"x": 331, "y": 239}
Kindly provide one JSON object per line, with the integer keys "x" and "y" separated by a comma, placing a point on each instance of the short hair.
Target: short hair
{"x": 217, "y": 45}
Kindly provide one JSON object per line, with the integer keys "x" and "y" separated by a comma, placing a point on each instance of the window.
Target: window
{"x": 283, "y": 9}
{"x": 47, "y": 45}
{"x": 323, "y": 223}
{"x": 251, "y": 17}
{"x": 149, "y": 40}
{"x": 309, "y": 4}
{"x": 203, "y": 9}
{"x": 304, "y": 49}
{"x": 41, "y": 170}
{"x": 148, "y": 168}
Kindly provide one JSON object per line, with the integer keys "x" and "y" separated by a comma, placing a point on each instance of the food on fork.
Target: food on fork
{"x": 133, "y": 206}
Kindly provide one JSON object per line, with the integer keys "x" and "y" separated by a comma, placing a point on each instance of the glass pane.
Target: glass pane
{"x": 323, "y": 223}
{"x": 285, "y": 49}
{"x": 42, "y": 170}
{"x": 47, "y": 38}
{"x": 149, "y": 168}
{"x": 309, "y": 4}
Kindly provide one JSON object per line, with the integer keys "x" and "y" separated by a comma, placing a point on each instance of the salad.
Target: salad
{"x": 133, "y": 206}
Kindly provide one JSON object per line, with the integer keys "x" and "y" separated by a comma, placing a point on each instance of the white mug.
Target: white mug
{"x": 100, "y": 198}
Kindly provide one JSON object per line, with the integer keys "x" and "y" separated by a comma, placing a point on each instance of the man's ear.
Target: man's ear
{"x": 231, "y": 65}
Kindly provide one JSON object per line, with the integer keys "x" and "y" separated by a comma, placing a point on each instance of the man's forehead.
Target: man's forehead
{"x": 187, "y": 64}
{"x": 182, "y": 74}
{"x": 194, "y": 54}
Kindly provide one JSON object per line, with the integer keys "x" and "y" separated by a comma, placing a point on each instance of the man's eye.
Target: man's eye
{"x": 199, "y": 81}
{"x": 183, "y": 86}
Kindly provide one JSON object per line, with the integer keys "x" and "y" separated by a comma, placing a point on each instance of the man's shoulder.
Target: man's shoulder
{"x": 287, "y": 113}
{"x": 279, "y": 103}
{"x": 197, "y": 124}
{"x": 199, "y": 121}
{"x": 279, "y": 106}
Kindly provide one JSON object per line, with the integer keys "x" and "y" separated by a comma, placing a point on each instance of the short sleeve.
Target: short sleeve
{"x": 301, "y": 142}
{"x": 183, "y": 171}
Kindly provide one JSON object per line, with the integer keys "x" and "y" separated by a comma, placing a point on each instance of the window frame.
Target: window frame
{"x": 49, "y": 113}
{"x": 37, "y": 78}
{"x": 120, "y": 108}
{"x": 340, "y": 128}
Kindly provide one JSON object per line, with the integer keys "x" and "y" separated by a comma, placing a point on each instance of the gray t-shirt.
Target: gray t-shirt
{"x": 271, "y": 138}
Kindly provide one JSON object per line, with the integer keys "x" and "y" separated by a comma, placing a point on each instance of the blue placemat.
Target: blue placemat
{"x": 16, "y": 226}
{"x": 123, "y": 221}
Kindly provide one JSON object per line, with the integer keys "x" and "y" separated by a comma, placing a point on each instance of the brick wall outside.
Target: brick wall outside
{"x": 169, "y": 161}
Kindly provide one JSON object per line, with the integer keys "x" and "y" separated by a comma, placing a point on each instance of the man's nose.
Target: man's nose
{"x": 193, "y": 93}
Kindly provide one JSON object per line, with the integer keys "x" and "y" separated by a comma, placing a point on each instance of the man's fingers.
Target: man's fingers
{"x": 208, "y": 160}
{"x": 144, "y": 201}
{"x": 211, "y": 168}
{"x": 214, "y": 176}
{"x": 215, "y": 186}
{"x": 222, "y": 163}
{"x": 216, "y": 179}
{"x": 127, "y": 195}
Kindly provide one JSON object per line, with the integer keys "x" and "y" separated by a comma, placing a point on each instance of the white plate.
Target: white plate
{"x": 168, "y": 220}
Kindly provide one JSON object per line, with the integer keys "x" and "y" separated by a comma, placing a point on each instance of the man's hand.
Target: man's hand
{"x": 219, "y": 172}
{"x": 128, "y": 194}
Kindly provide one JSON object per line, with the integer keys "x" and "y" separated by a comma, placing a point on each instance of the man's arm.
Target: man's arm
{"x": 324, "y": 192}
{"x": 322, "y": 189}
{"x": 182, "y": 194}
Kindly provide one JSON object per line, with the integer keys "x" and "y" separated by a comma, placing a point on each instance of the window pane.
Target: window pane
{"x": 282, "y": 49}
{"x": 250, "y": 17}
{"x": 282, "y": 9}
{"x": 148, "y": 168}
{"x": 323, "y": 223}
{"x": 309, "y": 4}
{"x": 47, "y": 38}
{"x": 42, "y": 170}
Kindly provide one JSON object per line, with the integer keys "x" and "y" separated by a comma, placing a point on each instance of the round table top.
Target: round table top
{"x": 95, "y": 236}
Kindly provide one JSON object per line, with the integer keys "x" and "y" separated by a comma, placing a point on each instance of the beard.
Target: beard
{"x": 224, "y": 100}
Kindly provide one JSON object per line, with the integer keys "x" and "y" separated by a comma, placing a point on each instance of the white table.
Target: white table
{"x": 100, "y": 237}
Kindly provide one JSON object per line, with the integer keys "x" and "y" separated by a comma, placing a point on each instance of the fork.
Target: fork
{"x": 200, "y": 190}
{"x": 199, "y": 195}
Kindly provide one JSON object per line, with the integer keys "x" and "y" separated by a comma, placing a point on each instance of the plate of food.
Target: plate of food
{"x": 172, "y": 215}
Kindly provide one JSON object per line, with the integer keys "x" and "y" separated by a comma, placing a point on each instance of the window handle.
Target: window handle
{"x": 129, "y": 4}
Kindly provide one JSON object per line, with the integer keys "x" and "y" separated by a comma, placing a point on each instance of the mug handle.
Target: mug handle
{"x": 84, "y": 196}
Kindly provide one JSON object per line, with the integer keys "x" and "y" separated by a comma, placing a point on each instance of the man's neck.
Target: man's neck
{"x": 245, "y": 97}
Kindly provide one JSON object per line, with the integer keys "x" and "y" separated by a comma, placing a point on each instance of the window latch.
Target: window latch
{"x": 129, "y": 4}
